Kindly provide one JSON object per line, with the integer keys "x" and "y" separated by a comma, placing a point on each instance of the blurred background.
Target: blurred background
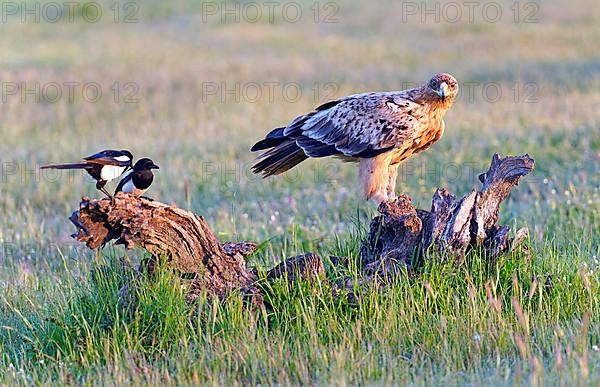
{"x": 193, "y": 84}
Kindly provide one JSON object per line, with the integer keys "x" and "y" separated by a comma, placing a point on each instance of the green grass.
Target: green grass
{"x": 60, "y": 321}
{"x": 501, "y": 325}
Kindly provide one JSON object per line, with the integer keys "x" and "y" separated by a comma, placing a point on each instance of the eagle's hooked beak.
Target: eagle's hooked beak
{"x": 443, "y": 91}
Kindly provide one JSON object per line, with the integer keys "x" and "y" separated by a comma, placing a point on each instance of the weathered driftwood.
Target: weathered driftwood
{"x": 181, "y": 237}
{"x": 400, "y": 238}
{"x": 452, "y": 227}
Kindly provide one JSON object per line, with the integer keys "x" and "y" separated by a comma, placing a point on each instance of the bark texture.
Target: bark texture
{"x": 180, "y": 237}
{"x": 403, "y": 237}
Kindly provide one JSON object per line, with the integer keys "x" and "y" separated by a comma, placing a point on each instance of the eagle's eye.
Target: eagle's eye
{"x": 433, "y": 84}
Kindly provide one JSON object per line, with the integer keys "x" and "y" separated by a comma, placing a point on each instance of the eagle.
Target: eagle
{"x": 378, "y": 130}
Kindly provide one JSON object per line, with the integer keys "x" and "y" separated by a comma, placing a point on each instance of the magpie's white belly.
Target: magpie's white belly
{"x": 111, "y": 172}
{"x": 131, "y": 189}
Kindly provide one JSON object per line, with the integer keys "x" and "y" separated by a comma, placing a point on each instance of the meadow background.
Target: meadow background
{"x": 193, "y": 92}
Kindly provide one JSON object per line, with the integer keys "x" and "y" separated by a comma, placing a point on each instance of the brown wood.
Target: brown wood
{"x": 166, "y": 232}
{"x": 451, "y": 227}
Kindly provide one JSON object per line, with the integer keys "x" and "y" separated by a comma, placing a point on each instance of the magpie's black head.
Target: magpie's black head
{"x": 144, "y": 164}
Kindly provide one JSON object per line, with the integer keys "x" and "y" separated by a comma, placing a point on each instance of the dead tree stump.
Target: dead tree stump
{"x": 180, "y": 237}
{"x": 452, "y": 227}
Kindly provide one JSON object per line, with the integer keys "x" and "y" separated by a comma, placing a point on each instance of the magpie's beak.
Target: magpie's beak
{"x": 154, "y": 166}
{"x": 442, "y": 91}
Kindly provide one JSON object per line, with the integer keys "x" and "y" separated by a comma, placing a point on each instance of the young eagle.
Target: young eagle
{"x": 379, "y": 130}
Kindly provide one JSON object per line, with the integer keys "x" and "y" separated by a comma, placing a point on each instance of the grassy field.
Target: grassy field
{"x": 194, "y": 92}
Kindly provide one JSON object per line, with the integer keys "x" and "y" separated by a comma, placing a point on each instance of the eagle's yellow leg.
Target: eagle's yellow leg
{"x": 373, "y": 176}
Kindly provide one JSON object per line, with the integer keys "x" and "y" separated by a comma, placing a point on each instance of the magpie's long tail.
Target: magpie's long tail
{"x": 66, "y": 166}
{"x": 282, "y": 153}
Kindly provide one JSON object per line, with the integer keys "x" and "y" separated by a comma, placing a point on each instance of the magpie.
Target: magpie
{"x": 138, "y": 180}
{"x": 103, "y": 166}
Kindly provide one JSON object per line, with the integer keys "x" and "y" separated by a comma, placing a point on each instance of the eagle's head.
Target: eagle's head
{"x": 442, "y": 87}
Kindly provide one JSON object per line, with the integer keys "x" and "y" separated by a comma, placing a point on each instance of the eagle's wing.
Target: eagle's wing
{"x": 362, "y": 125}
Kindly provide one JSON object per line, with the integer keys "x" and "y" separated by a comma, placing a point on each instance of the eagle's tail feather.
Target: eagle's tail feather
{"x": 274, "y": 138}
{"x": 279, "y": 159}
{"x": 267, "y": 143}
